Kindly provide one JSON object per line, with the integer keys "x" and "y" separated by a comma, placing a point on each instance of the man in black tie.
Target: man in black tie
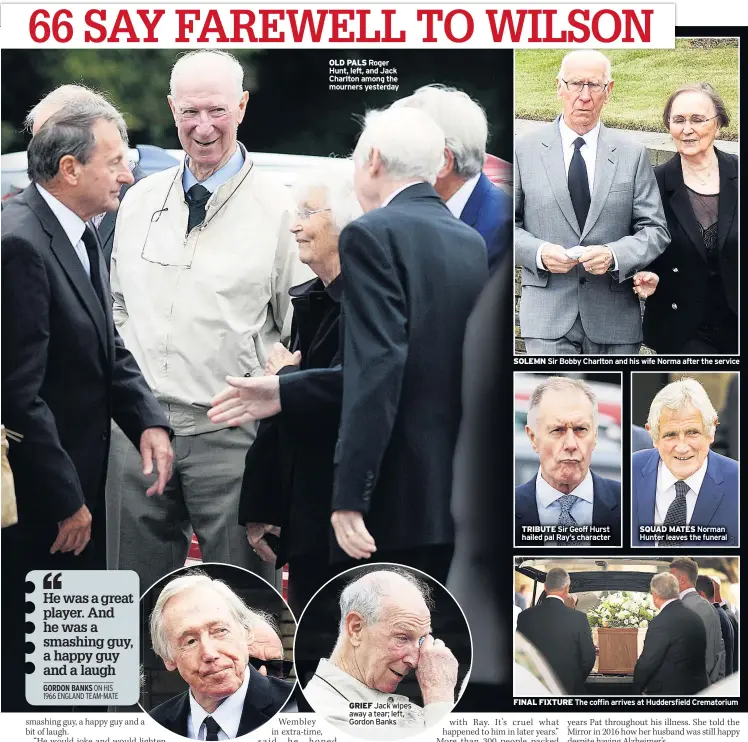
{"x": 65, "y": 371}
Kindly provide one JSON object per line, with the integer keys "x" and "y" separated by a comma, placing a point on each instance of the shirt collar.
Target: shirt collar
{"x": 668, "y": 602}
{"x": 219, "y": 177}
{"x": 568, "y": 136}
{"x": 694, "y": 482}
{"x": 557, "y": 597}
{"x": 71, "y": 223}
{"x": 686, "y": 591}
{"x": 228, "y": 715}
{"x": 457, "y": 201}
{"x": 400, "y": 190}
{"x": 548, "y": 495}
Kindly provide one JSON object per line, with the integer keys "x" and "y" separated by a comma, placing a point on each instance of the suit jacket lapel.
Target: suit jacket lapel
{"x": 647, "y": 488}
{"x": 258, "y": 701}
{"x": 552, "y": 158}
{"x": 603, "y": 503}
{"x": 526, "y": 507}
{"x": 606, "y": 162}
{"x": 681, "y": 204}
{"x": 710, "y": 495}
{"x": 472, "y": 207}
{"x": 177, "y": 721}
{"x": 728, "y": 197}
{"x": 70, "y": 262}
{"x": 106, "y": 226}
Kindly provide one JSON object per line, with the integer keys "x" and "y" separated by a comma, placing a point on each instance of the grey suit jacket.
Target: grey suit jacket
{"x": 625, "y": 214}
{"x": 715, "y": 645}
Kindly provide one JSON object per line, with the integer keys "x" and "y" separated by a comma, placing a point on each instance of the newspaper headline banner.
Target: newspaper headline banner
{"x": 408, "y": 25}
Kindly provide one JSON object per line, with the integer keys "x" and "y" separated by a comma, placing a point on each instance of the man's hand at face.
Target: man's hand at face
{"x": 156, "y": 446}
{"x": 256, "y": 537}
{"x": 246, "y": 399}
{"x": 73, "y": 533}
{"x": 597, "y": 259}
{"x": 353, "y": 537}
{"x": 437, "y": 672}
{"x": 555, "y": 259}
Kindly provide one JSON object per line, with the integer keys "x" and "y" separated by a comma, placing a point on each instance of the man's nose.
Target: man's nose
{"x": 570, "y": 440}
{"x": 208, "y": 650}
{"x": 126, "y": 177}
{"x": 296, "y": 227}
{"x": 585, "y": 94}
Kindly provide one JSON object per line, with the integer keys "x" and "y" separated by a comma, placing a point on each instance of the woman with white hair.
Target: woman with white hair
{"x": 287, "y": 487}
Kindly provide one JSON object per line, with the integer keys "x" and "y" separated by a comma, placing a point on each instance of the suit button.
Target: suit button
{"x": 674, "y": 306}
{"x": 105, "y": 436}
{"x": 247, "y": 376}
{"x": 675, "y": 270}
{"x": 582, "y": 281}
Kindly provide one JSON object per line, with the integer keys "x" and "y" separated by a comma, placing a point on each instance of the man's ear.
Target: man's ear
{"x": 173, "y": 109}
{"x": 375, "y": 164}
{"x": 242, "y": 106}
{"x": 449, "y": 164}
{"x": 354, "y": 625}
{"x": 69, "y": 169}
{"x": 531, "y": 435}
{"x": 170, "y": 666}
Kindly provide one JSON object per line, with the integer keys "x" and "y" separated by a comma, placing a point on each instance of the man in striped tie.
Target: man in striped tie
{"x": 683, "y": 492}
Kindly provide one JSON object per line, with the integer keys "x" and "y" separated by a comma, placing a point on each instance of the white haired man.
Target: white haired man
{"x": 413, "y": 273}
{"x": 580, "y": 185}
{"x": 202, "y": 264}
{"x": 460, "y": 182}
{"x": 201, "y": 628}
{"x": 384, "y": 634}
{"x": 49, "y": 105}
{"x": 680, "y": 484}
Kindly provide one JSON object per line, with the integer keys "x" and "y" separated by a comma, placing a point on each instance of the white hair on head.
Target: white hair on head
{"x": 60, "y": 97}
{"x": 364, "y": 594}
{"x": 409, "y": 141}
{"x": 665, "y": 585}
{"x": 676, "y": 396}
{"x": 335, "y": 182}
{"x": 195, "y": 578}
{"x": 556, "y": 579}
{"x": 462, "y": 120}
{"x": 590, "y": 52}
{"x": 198, "y": 58}
{"x": 559, "y": 384}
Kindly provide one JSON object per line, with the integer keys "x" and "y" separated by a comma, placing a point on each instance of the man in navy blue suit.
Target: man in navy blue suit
{"x": 681, "y": 484}
{"x": 461, "y": 184}
{"x": 562, "y": 428}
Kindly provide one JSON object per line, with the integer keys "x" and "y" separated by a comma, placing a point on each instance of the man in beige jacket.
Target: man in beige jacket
{"x": 202, "y": 263}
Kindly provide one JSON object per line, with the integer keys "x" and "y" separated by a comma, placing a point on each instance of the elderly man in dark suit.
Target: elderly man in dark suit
{"x": 705, "y": 589}
{"x": 562, "y": 634}
{"x": 462, "y": 185}
{"x": 672, "y": 661}
{"x": 562, "y": 428}
{"x": 201, "y": 628}
{"x": 412, "y": 273}
{"x": 65, "y": 371}
{"x": 588, "y": 216}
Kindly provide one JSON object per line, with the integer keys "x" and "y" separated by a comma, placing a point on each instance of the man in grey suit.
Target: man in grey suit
{"x": 686, "y": 572}
{"x": 588, "y": 216}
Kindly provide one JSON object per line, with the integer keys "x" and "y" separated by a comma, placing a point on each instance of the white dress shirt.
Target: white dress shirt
{"x": 227, "y": 715}
{"x": 557, "y": 597}
{"x": 71, "y": 224}
{"x": 667, "y": 602}
{"x": 457, "y": 201}
{"x": 665, "y": 492}
{"x": 399, "y": 190}
{"x": 549, "y": 509}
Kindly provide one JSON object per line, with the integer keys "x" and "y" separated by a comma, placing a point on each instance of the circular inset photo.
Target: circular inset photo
{"x": 216, "y": 651}
{"x": 382, "y": 651}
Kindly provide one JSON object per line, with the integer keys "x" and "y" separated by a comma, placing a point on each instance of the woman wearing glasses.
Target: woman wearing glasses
{"x": 288, "y": 473}
{"x": 694, "y": 307}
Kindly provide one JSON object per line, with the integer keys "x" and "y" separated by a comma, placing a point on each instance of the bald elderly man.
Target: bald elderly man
{"x": 384, "y": 634}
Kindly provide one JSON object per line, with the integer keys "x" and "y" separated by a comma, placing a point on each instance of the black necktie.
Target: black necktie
{"x": 211, "y": 725}
{"x": 94, "y": 251}
{"x": 579, "y": 185}
{"x": 198, "y": 198}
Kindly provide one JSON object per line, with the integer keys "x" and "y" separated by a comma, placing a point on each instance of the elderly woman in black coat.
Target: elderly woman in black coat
{"x": 694, "y": 307}
{"x": 287, "y": 487}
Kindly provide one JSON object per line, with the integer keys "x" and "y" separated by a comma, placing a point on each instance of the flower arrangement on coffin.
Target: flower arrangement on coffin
{"x": 618, "y": 619}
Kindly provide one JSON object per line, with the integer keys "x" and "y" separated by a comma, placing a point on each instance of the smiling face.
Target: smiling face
{"x": 581, "y": 111}
{"x": 683, "y": 442}
{"x": 208, "y": 646}
{"x": 207, "y": 110}
{"x": 564, "y": 435}
{"x": 389, "y": 648}
{"x": 316, "y": 235}
{"x": 693, "y": 139}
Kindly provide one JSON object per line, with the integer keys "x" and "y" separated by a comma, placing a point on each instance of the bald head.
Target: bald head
{"x": 265, "y": 644}
{"x": 207, "y": 65}
{"x": 56, "y": 100}
{"x": 585, "y": 58}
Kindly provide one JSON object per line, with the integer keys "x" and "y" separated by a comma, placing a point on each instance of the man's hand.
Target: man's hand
{"x": 155, "y": 445}
{"x": 351, "y": 533}
{"x": 645, "y": 284}
{"x": 73, "y": 533}
{"x": 246, "y": 399}
{"x": 555, "y": 259}
{"x": 597, "y": 259}
{"x": 436, "y": 672}
{"x": 280, "y": 357}
{"x": 256, "y": 537}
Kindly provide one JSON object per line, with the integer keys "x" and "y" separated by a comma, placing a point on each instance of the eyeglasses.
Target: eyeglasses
{"x": 275, "y": 668}
{"x": 693, "y": 120}
{"x": 304, "y": 214}
{"x": 576, "y": 86}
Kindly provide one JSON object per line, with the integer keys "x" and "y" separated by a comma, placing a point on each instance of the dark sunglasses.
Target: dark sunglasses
{"x": 275, "y": 668}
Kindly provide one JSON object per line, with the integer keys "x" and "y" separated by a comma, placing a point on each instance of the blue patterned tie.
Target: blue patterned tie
{"x": 678, "y": 510}
{"x": 567, "y": 502}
